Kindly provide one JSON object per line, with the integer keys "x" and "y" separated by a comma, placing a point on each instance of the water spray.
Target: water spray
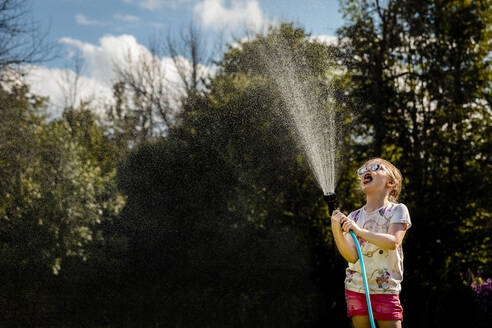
{"x": 331, "y": 199}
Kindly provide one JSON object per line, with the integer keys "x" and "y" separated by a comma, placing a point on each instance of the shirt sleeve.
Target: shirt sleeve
{"x": 401, "y": 215}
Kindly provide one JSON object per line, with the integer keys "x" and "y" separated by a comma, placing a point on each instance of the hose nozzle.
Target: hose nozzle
{"x": 331, "y": 199}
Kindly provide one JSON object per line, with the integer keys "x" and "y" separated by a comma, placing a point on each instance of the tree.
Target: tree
{"x": 155, "y": 90}
{"x": 147, "y": 92}
{"x": 70, "y": 83}
{"x": 191, "y": 46}
{"x": 193, "y": 61}
{"x": 53, "y": 202}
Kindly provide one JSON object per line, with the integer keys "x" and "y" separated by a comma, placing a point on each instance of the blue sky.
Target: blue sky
{"x": 101, "y": 30}
{"x": 89, "y": 20}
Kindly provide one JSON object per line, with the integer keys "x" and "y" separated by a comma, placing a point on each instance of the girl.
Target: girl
{"x": 380, "y": 226}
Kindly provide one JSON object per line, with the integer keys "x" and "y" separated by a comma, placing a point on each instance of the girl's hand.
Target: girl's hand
{"x": 338, "y": 217}
{"x": 351, "y": 225}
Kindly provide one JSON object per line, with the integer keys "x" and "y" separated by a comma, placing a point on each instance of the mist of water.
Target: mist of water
{"x": 309, "y": 113}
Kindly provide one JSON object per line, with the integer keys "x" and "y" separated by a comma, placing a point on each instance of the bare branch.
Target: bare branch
{"x": 22, "y": 40}
{"x": 69, "y": 82}
{"x": 145, "y": 81}
{"x": 190, "y": 55}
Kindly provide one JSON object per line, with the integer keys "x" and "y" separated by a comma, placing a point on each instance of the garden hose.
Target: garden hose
{"x": 368, "y": 299}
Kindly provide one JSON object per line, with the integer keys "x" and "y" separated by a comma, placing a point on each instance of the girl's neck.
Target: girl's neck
{"x": 373, "y": 202}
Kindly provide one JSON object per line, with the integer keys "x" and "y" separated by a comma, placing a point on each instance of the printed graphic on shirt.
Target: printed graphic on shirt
{"x": 382, "y": 278}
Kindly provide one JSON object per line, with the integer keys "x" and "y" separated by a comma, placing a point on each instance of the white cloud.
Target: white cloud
{"x": 118, "y": 18}
{"x": 84, "y": 20}
{"x": 242, "y": 13}
{"x": 54, "y": 83}
{"x": 126, "y": 18}
{"x": 238, "y": 44}
{"x": 326, "y": 39}
{"x": 156, "y": 4}
{"x": 100, "y": 59}
{"x": 98, "y": 75}
{"x": 151, "y": 4}
{"x": 95, "y": 83}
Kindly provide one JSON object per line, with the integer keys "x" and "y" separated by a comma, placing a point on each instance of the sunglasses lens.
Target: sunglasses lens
{"x": 372, "y": 168}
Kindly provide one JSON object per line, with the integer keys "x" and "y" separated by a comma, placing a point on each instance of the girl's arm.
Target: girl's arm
{"x": 390, "y": 240}
{"x": 344, "y": 241}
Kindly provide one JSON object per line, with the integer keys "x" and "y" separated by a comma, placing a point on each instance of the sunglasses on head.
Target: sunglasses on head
{"x": 372, "y": 168}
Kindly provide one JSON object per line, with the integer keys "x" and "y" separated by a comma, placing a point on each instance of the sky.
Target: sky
{"x": 101, "y": 31}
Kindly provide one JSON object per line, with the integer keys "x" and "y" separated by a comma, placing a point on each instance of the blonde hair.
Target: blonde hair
{"x": 394, "y": 174}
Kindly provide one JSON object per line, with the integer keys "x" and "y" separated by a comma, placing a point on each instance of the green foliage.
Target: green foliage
{"x": 53, "y": 198}
{"x": 99, "y": 146}
{"x": 57, "y": 194}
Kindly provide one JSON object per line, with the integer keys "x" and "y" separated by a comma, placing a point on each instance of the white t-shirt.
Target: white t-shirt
{"x": 384, "y": 267}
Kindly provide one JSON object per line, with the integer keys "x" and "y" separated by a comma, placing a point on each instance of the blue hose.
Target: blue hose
{"x": 368, "y": 299}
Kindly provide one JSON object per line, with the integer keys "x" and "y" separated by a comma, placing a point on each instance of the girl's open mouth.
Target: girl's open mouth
{"x": 367, "y": 179}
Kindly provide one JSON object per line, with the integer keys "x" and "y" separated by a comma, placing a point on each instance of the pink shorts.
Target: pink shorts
{"x": 384, "y": 306}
